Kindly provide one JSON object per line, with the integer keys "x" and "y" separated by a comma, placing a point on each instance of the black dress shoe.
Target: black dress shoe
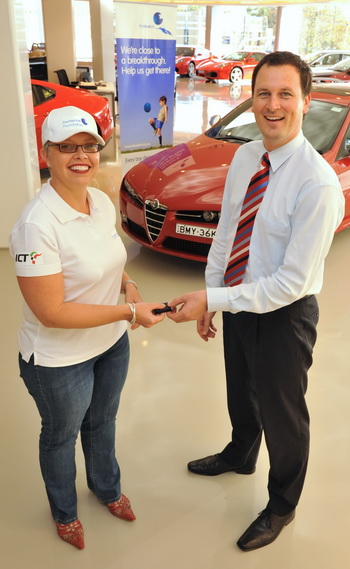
{"x": 214, "y": 465}
{"x": 264, "y": 530}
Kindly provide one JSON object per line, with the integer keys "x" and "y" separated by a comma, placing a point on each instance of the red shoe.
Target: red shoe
{"x": 122, "y": 509}
{"x": 72, "y": 533}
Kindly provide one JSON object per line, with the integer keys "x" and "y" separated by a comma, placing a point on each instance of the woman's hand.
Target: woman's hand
{"x": 145, "y": 316}
{"x": 129, "y": 289}
{"x": 132, "y": 294}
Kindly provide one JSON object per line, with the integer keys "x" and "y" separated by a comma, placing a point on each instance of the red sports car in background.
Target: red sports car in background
{"x": 171, "y": 201}
{"x": 232, "y": 67}
{"x": 188, "y": 58}
{"x": 48, "y": 96}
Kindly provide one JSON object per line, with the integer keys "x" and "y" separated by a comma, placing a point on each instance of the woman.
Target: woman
{"x": 74, "y": 348}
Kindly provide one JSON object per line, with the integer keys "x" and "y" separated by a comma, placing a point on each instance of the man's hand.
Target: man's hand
{"x": 205, "y": 326}
{"x": 193, "y": 306}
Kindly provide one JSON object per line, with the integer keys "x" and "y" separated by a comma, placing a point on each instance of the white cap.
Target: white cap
{"x": 64, "y": 122}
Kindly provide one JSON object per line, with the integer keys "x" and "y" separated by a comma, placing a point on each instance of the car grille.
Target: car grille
{"x": 154, "y": 220}
{"x": 195, "y": 216}
{"x": 173, "y": 244}
{"x": 138, "y": 230}
{"x": 190, "y": 247}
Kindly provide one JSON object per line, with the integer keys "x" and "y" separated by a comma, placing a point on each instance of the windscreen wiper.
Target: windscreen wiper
{"x": 232, "y": 137}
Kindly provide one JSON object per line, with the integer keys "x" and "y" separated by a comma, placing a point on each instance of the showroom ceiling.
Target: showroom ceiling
{"x": 248, "y": 2}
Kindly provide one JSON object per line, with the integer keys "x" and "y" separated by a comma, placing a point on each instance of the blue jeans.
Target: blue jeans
{"x": 82, "y": 397}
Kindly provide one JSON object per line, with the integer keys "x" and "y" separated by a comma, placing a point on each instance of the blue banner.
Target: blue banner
{"x": 146, "y": 50}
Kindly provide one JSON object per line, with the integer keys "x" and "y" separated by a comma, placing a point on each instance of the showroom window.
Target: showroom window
{"x": 82, "y": 30}
{"x": 325, "y": 27}
{"x": 190, "y": 25}
{"x": 34, "y": 27}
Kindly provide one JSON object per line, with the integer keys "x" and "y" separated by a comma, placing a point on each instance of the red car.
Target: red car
{"x": 48, "y": 96}
{"x": 188, "y": 58}
{"x": 171, "y": 201}
{"x": 338, "y": 72}
{"x": 232, "y": 67}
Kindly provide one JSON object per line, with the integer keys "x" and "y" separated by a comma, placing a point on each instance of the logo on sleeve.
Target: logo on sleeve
{"x": 33, "y": 258}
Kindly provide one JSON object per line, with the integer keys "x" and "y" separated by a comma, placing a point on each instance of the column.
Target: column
{"x": 289, "y": 22}
{"x": 102, "y": 34}
{"x": 59, "y": 38}
{"x": 18, "y": 157}
{"x": 208, "y": 13}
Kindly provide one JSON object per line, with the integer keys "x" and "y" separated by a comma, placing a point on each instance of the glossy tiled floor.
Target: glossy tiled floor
{"x": 173, "y": 410}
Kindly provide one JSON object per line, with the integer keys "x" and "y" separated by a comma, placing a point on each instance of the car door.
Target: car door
{"x": 342, "y": 168}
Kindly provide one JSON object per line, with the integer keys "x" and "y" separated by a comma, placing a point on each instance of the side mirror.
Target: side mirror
{"x": 216, "y": 118}
{"x": 347, "y": 145}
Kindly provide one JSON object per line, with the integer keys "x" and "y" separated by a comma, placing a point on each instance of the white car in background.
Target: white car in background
{"x": 329, "y": 58}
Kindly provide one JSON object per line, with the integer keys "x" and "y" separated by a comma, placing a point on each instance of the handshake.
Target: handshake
{"x": 190, "y": 306}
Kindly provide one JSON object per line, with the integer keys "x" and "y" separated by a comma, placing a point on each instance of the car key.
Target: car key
{"x": 166, "y": 308}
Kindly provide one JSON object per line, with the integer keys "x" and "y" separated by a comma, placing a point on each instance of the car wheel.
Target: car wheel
{"x": 235, "y": 90}
{"x": 191, "y": 69}
{"x": 190, "y": 85}
{"x": 236, "y": 74}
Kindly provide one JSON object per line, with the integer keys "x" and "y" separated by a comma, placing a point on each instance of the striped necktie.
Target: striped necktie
{"x": 240, "y": 249}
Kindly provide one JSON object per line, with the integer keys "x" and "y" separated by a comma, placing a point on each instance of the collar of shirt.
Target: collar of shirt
{"x": 63, "y": 211}
{"x": 280, "y": 155}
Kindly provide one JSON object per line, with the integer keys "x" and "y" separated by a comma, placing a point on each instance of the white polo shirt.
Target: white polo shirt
{"x": 51, "y": 237}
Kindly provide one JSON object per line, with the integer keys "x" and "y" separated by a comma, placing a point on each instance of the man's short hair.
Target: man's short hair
{"x": 287, "y": 58}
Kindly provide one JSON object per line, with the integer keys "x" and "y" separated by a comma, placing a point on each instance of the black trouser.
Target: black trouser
{"x": 267, "y": 357}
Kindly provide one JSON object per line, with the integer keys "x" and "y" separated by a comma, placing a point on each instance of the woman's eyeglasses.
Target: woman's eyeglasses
{"x": 71, "y": 148}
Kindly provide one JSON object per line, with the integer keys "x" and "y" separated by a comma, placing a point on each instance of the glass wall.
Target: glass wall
{"x": 190, "y": 25}
{"x": 34, "y": 28}
{"x": 82, "y": 30}
{"x": 241, "y": 28}
{"x": 324, "y": 26}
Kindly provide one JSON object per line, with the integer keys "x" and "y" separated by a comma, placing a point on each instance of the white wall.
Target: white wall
{"x": 18, "y": 157}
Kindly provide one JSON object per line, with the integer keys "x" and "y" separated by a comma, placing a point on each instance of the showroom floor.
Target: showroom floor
{"x": 173, "y": 410}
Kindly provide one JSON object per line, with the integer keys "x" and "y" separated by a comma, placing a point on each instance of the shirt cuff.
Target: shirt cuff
{"x": 218, "y": 299}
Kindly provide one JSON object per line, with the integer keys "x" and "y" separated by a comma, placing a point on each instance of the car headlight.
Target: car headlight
{"x": 127, "y": 187}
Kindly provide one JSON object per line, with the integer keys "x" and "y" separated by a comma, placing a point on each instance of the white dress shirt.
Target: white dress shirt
{"x": 302, "y": 207}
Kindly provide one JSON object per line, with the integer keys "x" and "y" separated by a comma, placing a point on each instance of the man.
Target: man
{"x": 270, "y": 311}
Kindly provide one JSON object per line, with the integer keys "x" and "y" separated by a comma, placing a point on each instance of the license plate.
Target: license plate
{"x": 195, "y": 231}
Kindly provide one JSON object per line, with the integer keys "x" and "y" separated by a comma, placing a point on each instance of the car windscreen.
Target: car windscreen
{"x": 237, "y": 56}
{"x": 185, "y": 51}
{"x": 320, "y": 126}
{"x": 342, "y": 65}
{"x": 41, "y": 94}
